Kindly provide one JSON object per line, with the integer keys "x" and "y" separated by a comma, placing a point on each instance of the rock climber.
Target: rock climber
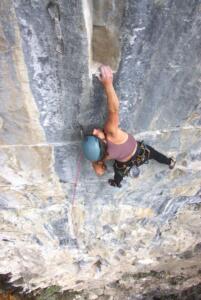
{"x": 112, "y": 143}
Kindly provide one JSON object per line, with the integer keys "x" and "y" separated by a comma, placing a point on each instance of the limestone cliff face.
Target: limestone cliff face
{"x": 103, "y": 243}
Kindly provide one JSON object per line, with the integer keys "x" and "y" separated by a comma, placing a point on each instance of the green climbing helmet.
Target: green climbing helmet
{"x": 94, "y": 148}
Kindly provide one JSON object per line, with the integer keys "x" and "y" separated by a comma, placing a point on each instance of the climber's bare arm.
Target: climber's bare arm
{"x": 99, "y": 167}
{"x": 111, "y": 126}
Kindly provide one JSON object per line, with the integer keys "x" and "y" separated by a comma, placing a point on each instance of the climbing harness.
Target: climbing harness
{"x": 122, "y": 169}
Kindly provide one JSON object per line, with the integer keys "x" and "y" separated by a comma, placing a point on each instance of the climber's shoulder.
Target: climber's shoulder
{"x": 117, "y": 136}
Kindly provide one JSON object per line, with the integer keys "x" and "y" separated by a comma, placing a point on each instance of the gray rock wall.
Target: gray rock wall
{"x": 91, "y": 237}
{"x": 159, "y": 75}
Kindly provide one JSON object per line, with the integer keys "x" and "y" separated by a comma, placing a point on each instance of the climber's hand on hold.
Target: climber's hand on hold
{"x": 106, "y": 75}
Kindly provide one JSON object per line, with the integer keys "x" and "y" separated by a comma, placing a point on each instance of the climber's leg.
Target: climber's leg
{"x": 161, "y": 158}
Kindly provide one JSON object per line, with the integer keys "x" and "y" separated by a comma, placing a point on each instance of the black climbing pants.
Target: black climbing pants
{"x": 159, "y": 157}
{"x": 145, "y": 152}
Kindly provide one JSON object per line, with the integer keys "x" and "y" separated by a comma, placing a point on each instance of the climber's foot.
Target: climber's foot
{"x": 172, "y": 163}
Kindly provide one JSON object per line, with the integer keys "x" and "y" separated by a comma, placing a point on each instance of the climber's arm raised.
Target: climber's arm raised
{"x": 111, "y": 126}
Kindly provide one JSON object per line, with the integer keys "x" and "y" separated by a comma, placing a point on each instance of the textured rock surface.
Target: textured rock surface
{"x": 136, "y": 242}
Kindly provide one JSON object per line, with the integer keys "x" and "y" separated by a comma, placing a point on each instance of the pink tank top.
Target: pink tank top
{"x": 121, "y": 151}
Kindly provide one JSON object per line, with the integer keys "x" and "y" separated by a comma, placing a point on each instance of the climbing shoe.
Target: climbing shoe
{"x": 112, "y": 182}
{"x": 172, "y": 163}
